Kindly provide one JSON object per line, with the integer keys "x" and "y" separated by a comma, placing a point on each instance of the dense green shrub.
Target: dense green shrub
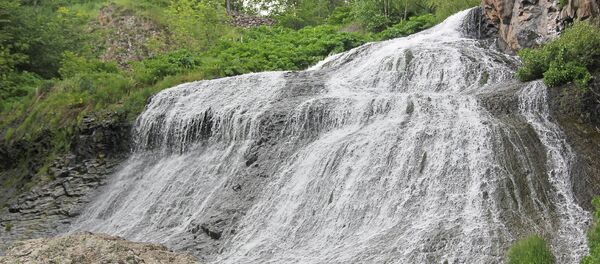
{"x": 530, "y": 250}
{"x": 445, "y": 8}
{"x": 196, "y": 24}
{"x": 408, "y": 27}
{"x": 151, "y": 70}
{"x": 594, "y": 237}
{"x": 73, "y": 65}
{"x": 268, "y": 49}
{"x": 570, "y": 58}
{"x": 341, "y": 15}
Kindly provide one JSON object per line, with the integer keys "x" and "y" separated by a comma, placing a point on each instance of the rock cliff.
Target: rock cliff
{"x": 98, "y": 146}
{"x": 529, "y": 23}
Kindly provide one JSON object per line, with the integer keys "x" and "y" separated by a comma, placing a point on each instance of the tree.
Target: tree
{"x": 376, "y": 15}
{"x": 196, "y": 24}
{"x": 445, "y": 8}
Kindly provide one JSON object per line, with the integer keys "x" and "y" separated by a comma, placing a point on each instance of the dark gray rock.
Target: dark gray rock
{"x": 98, "y": 147}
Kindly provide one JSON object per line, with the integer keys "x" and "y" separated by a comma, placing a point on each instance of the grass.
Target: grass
{"x": 530, "y": 250}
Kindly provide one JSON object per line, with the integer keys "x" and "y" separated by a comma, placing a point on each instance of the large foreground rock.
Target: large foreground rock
{"x": 91, "y": 248}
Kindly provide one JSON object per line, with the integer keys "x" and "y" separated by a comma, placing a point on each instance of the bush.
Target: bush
{"x": 341, "y": 15}
{"x": 530, "y": 250}
{"x": 151, "y": 70}
{"x": 269, "y": 49}
{"x": 594, "y": 237}
{"x": 570, "y": 58}
{"x": 560, "y": 73}
{"x": 369, "y": 16}
{"x": 73, "y": 65}
{"x": 408, "y": 27}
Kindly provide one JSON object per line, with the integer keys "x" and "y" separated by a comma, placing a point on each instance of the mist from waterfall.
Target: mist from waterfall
{"x": 382, "y": 154}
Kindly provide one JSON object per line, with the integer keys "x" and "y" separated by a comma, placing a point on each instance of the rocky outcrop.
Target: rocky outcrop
{"x": 530, "y": 23}
{"x": 98, "y": 147}
{"x": 131, "y": 38}
{"x": 91, "y": 248}
{"x": 246, "y": 21}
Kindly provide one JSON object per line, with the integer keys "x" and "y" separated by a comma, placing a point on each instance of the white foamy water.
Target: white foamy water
{"x": 382, "y": 154}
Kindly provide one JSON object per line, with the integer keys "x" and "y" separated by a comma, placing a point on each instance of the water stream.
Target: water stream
{"x": 382, "y": 154}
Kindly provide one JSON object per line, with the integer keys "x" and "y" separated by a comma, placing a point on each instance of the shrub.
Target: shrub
{"x": 408, "y": 27}
{"x": 73, "y": 65}
{"x": 594, "y": 236}
{"x": 530, "y": 250}
{"x": 156, "y": 68}
{"x": 559, "y": 73}
{"x": 341, "y": 15}
{"x": 570, "y": 58}
{"x": 269, "y": 49}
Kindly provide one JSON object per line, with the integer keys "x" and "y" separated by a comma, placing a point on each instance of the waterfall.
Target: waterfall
{"x": 382, "y": 154}
{"x": 534, "y": 107}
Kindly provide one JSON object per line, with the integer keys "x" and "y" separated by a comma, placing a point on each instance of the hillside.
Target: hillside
{"x": 65, "y": 61}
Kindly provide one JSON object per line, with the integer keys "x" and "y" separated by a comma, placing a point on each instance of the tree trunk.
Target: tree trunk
{"x": 228, "y": 6}
{"x": 405, "y": 9}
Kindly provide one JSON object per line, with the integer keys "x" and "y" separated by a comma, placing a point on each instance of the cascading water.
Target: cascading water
{"x": 383, "y": 154}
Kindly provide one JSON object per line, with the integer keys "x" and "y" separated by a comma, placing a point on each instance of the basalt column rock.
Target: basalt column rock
{"x": 97, "y": 148}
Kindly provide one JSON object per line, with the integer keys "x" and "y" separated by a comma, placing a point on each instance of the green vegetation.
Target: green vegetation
{"x": 562, "y": 3}
{"x": 571, "y": 58}
{"x": 408, "y": 27}
{"x": 594, "y": 237}
{"x": 530, "y": 250}
{"x": 8, "y": 227}
{"x": 54, "y": 68}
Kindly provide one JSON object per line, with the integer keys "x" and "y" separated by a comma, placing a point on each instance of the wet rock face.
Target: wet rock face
{"x": 91, "y": 248}
{"x": 97, "y": 148}
{"x": 581, "y": 124}
{"x": 530, "y": 23}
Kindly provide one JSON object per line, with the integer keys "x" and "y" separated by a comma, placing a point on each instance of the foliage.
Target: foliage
{"x": 196, "y": 24}
{"x": 530, "y": 250}
{"x": 154, "y": 69}
{"x": 594, "y": 236}
{"x": 570, "y": 58}
{"x": 303, "y": 13}
{"x": 267, "y": 49}
{"x": 445, "y": 8}
{"x": 369, "y": 14}
{"x": 73, "y": 65}
{"x": 341, "y": 15}
{"x": 52, "y": 74}
{"x": 408, "y": 27}
{"x": 44, "y": 35}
